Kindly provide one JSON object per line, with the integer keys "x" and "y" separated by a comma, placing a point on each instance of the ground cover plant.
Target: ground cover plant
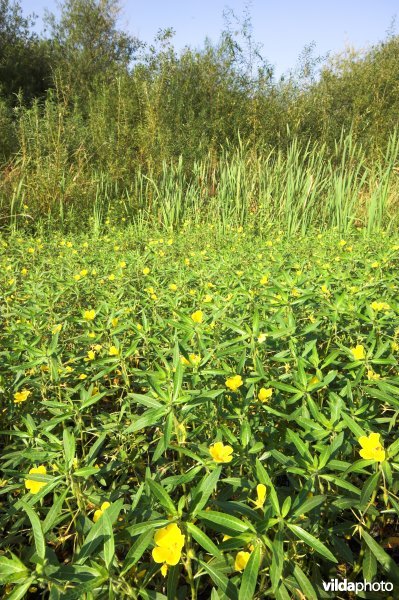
{"x": 203, "y": 414}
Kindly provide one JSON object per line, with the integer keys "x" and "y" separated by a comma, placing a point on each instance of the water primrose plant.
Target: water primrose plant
{"x": 208, "y": 415}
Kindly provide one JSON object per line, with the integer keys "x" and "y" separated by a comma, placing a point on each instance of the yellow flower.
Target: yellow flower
{"x": 89, "y": 315}
{"x": 113, "y": 351}
{"x": 56, "y": 329}
{"x": 197, "y": 316}
{"x": 265, "y": 394}
{"x": 173, "y": 287}
{"x": 195, "y": 359}
{"x": 187, "y": 261}
{"x": 262, "y": 337}
{"x": 21, "y": 396}
{"x": 358, "y": 352}
{"x": 261, "y": 495}
{"x": 264, "y": 279}
{"x": 325, "y": 289}
{"x": 169, "y": 543}
{"x": 371, "y": 447}
{"x": 233, "y": 383}
{"x": 221, "y": 453}
{"x": 83, "y": 272}
{"x": 91, "y": 355}
{"x": 122, "y": 264}
{"x": 376, "y": 306}
{"x": 342, "y": 243}
{"x": 241, "y": 560}
{"x": 82, "y": 376}
{"x": 36, "y": 486}
{"x": 111, "y": 277}
{"x": 24, "y": 271}
{"x": 208, "y": 298}
{"x": 114, "y": 321}
{"x": 99, "y": 512}
{"x": 375, "y": 264}
{"x": 372, "y": 375}
{"x": 146, "y": 271}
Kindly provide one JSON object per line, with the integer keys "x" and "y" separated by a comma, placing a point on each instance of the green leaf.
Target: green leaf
{"x": 222, "y": 522}
{"x": 368, "y": 488}
{"x": 387, "y": 563}
{"x": 264, "y": 478}
{"x": 352, "y": 425}
{"x": 38, "y": 536}
{"x": 137, "y": 550}
{"x": 12, "y": 569}
{"x": 54, "y": 511}
{"x": 304, "y": 584}
{"x": 150, "y": 417}
{"x": 276, "y": 567}
{"x": 203, "y": 540}
{"x": 69, "y": 447}
{"x": 162, "y": 496}
{"x": 203, "y": 490}
{"x": 165, "y": 438}
{"x": 147, "y": 401}
{"x": 313, "y": 542}
{"x": 393, "y": 449}
{"x": 220, "y": 580}
{"x": 369, "y": 565}
{"x": 20, "y": 591}
{"x": 250, "y": 575}
{"x": 97, "y": 535}
{"x": 173, "y": 581}
{"x": 109, "y": 543}
{"x": 308, "y": 505}
{"x": 85, "y": 471}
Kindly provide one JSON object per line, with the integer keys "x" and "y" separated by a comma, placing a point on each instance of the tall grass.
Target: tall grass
{"x": 55, "y": 179}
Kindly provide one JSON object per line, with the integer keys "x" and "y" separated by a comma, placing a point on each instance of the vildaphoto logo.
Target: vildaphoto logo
{"x": 336, "y": 585}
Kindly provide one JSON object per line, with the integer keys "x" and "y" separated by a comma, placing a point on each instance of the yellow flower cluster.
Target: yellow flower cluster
{"x": 197, "y": 316}
{"x": 265, "y": 394}
{"x": 99, "y": 512}
{"x": 371, "y": 447}
{"x": 221, "y": 453}
{"x": 32, "y": 485}
{"x": 233, "y": 383}
{"x": 21, "y": 396}
{"x": 377, "y": 306}
{"x": 169, "y": 544}
{"x": 358, "y": 352}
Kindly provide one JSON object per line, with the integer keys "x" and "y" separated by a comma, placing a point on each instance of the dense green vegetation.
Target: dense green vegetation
{"x": 199, "y": 338}
{"x": 126, "y": 358}
{"x": 90, "y": 116}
